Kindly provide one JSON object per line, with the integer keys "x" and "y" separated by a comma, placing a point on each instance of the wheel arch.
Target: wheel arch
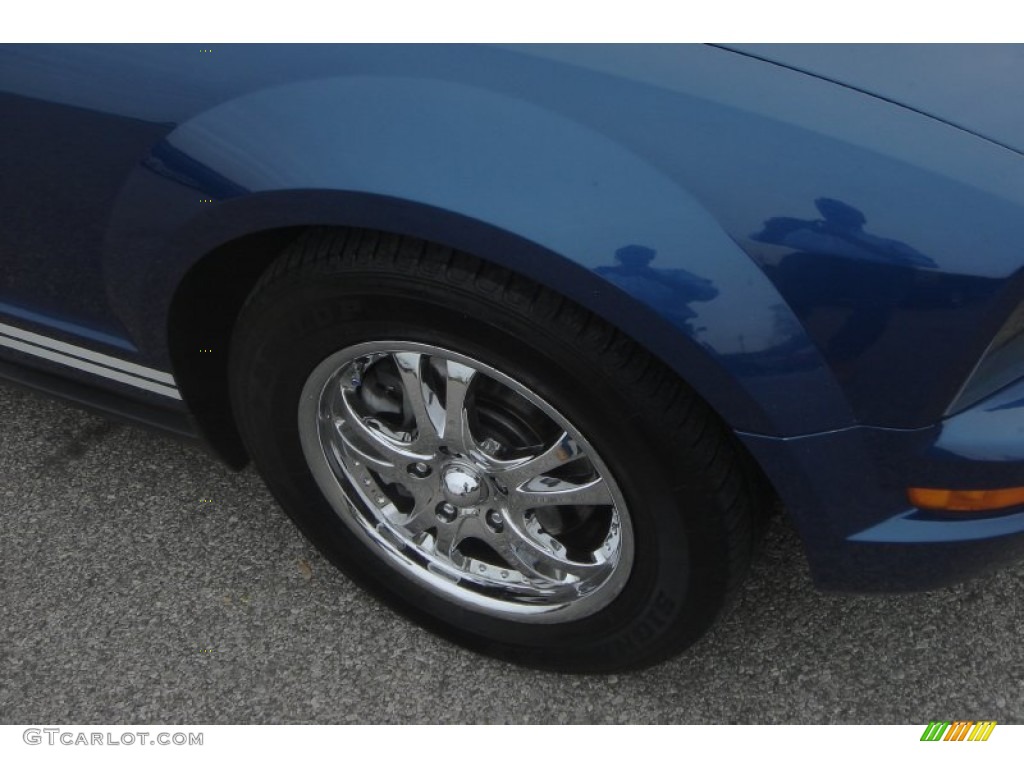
{"x": 209, "y": 295}
{"x": 510, "y": 182}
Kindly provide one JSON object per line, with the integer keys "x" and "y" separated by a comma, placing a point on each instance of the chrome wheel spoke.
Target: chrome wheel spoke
{"x": 456, "y": 420}
{"x": 419, "y": 520}
{"x": 560, "y": 453}
{"x": 540, "y": 560}
{"x": 361, "y": 457}
{"x": 424, "y": 494}
{"x": 389, "y": 452}
{"x": 421, "y": 401}
{"x": 447, "y": 540}
{"x": 550, "y": 491}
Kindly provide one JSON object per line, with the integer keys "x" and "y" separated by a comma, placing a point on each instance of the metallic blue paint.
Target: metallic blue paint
{"x": 826, "y": 267}
{"x": 954, "y": 83}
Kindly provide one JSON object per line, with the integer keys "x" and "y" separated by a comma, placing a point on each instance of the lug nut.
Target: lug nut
{"x": 419, "y": 469}
{"x": 494, "y": 520}
{"x": 446, "y": 512}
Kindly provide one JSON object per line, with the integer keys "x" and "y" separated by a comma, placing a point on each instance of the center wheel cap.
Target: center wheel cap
{"x": 462, "y": 485}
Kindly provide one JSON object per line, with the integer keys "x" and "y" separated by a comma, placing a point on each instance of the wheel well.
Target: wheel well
{"x": 200, "y": 324}
{"x": 202, "y": 319}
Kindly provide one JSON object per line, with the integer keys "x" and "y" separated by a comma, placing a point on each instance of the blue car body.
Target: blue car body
{"x": 824, "y": 242}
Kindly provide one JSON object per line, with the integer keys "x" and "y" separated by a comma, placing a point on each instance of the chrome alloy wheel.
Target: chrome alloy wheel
{"x": 463, "y": 479}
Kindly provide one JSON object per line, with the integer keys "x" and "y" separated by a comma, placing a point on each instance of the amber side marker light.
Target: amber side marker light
{"x": 965, "y": 501}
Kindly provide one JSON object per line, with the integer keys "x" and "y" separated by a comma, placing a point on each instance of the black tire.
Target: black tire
{"x": 690, "y": 503}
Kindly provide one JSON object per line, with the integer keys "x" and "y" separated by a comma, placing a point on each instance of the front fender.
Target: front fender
{"x": 513, "y": 182}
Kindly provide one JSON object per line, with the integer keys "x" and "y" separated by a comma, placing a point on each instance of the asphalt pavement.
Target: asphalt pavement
{"x": 141, "y": 582}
